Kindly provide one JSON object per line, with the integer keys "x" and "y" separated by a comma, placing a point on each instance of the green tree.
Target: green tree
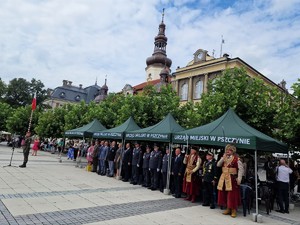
{"x": 56, "y": 127}
{"x": 5, "y": 112}
{"x": 252, "y": 100}
{"x": 18, "y": 122}
{"x": 3, "y": 88}
{"x": 287, "y": 119}
{"x": 18, "y": 92}
{"x": 36, "y": 86}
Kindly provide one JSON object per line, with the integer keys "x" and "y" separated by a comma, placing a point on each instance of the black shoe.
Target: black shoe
{"x": 205, "y": 204}
{"x": 125, "y": 180}
{"x": 280, "y": 211}
{"x": 22, "y": 166}
{"x": 150, "y": 187}
{"x": 177, "y": 196}
{"x": 134, "y": 183}
{"x": 286, "y": 211}
{"x": 153, "y": 189}
{"x": 212, "y": 207}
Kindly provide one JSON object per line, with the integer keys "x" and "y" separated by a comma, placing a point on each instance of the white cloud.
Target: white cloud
{"x": 80, "y": 40}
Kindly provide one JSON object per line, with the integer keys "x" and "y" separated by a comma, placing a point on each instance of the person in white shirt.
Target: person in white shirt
{"x": 283, "y": 172}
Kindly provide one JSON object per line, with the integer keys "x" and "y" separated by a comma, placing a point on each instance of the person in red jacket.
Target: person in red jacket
{"x": 191, "y": 180}
{"x": 230, "y": 180}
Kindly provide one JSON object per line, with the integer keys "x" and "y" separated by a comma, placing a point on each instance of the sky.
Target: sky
{"x": 85, "y": 40}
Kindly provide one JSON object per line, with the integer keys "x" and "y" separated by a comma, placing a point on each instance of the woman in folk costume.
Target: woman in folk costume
{"x": 230, "y": 180}
{"x": 191, "y": 180}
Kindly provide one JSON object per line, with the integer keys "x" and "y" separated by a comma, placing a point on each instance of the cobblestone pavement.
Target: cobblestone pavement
{"x": 52, "y": 193}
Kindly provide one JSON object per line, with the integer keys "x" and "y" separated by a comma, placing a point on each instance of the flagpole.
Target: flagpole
{"x": 30, "y": 120}
{"x": 33, "y": 107}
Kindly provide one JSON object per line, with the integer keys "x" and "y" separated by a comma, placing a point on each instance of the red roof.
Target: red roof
{"x": 142, "y": 85}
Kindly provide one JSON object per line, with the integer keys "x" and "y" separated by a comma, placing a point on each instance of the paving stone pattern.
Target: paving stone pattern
{"x": 92, "y": 214}
{"x": 60, "y": 193}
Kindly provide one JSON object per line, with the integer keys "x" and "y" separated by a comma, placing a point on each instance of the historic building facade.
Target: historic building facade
{"x": 158, "y": 64}
{"x": 68, "y": 93}
{"x": 190, "y": 82}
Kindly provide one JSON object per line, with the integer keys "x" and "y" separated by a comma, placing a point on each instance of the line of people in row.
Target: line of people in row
{"x": 191, "y": 174}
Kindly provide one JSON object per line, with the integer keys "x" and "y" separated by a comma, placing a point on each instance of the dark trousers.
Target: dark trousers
{"x": 25, "y": 153}
{"x": 283, "y": 195}
{"x": 164, "y": 180}
{"x": 95, "y": 164}
{"x": 178, "y": 185}
{"x": 75, "y": 153}
{"x": 154, "y": 178}
{"x": 208, "y": 193}
{"x": 126, "y": 171}
{"x": 147, "y": 180}
{"x": 134, "y": 174}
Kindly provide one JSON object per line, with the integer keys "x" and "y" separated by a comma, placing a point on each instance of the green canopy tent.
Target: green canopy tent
{"x": 160, "y": 132}
{"x": 229, "y": 128}
{"x": 117, "y": 132}
{"x": 86, "y": 130}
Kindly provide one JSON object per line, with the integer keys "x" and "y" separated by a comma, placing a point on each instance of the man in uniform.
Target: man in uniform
{"x": 137, "y": 157}
{"x": 191, "y": 181}
{"x": 26, "y": 149}
{"x": 146, "y": 172}
{"x": 126, "y": 163}
{"x": 209, "y": 180}
{"x": 164, "y": 169}
{"x": 177, "y": 172}
{"x": 154, "y": 167}
{"x": 230, "y": 180}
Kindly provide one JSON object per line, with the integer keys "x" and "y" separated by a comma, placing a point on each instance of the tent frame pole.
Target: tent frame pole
{"x": 167, "y": 189}
{"x": 256, "y": 184}
{"x": 121, "y": 158}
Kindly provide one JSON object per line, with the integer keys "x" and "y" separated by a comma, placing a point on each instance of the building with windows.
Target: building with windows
{"x": 68, "y": 93}
{"x": 190, "y": 82}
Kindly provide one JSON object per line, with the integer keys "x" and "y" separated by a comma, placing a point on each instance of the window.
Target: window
{"x": 198, "y": 89}
{"x": 62, "y": 94}
{"x": 184, "y": 92}
{"x": 77, "y": 98}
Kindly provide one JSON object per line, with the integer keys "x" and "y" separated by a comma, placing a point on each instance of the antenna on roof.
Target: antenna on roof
{"x": 163, "y": 15}
{"x": 96, "y": 81}
{"x": 222, "y": 42}
{"x": 105, "y": 79}
{"x": 213, "y": 53}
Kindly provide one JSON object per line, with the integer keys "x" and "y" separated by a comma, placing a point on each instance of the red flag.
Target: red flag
{"x": 33, "y": 104}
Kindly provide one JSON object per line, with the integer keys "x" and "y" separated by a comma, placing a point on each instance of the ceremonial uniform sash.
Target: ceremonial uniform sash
{"x": 229, "y": 168}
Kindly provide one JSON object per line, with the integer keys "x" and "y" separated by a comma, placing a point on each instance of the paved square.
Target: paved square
{"x": 52, "y": 193}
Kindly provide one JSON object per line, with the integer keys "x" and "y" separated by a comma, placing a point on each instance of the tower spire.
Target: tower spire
{"x": 163, "y": 15}
{"x": 96, "y": 81}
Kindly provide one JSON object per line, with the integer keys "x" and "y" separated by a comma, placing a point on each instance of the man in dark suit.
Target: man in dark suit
{"x": 137, "y": 157}
{"x": 177, "y": 172}
{"x": 126, "y": 163}
{"x": 209, "y": 180}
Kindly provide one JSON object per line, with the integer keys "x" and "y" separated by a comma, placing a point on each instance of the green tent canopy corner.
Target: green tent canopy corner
{"x": 118, "y": 132}
{"x": 86, "y": 130}
{"x": 230, "y": 128}
{"x": 161, "y": 132}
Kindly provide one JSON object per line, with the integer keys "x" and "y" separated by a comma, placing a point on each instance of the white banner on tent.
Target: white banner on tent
{"x": 209, "y": 138}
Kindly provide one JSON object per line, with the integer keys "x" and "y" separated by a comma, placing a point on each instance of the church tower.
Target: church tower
{"x": 159, "y": 60}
